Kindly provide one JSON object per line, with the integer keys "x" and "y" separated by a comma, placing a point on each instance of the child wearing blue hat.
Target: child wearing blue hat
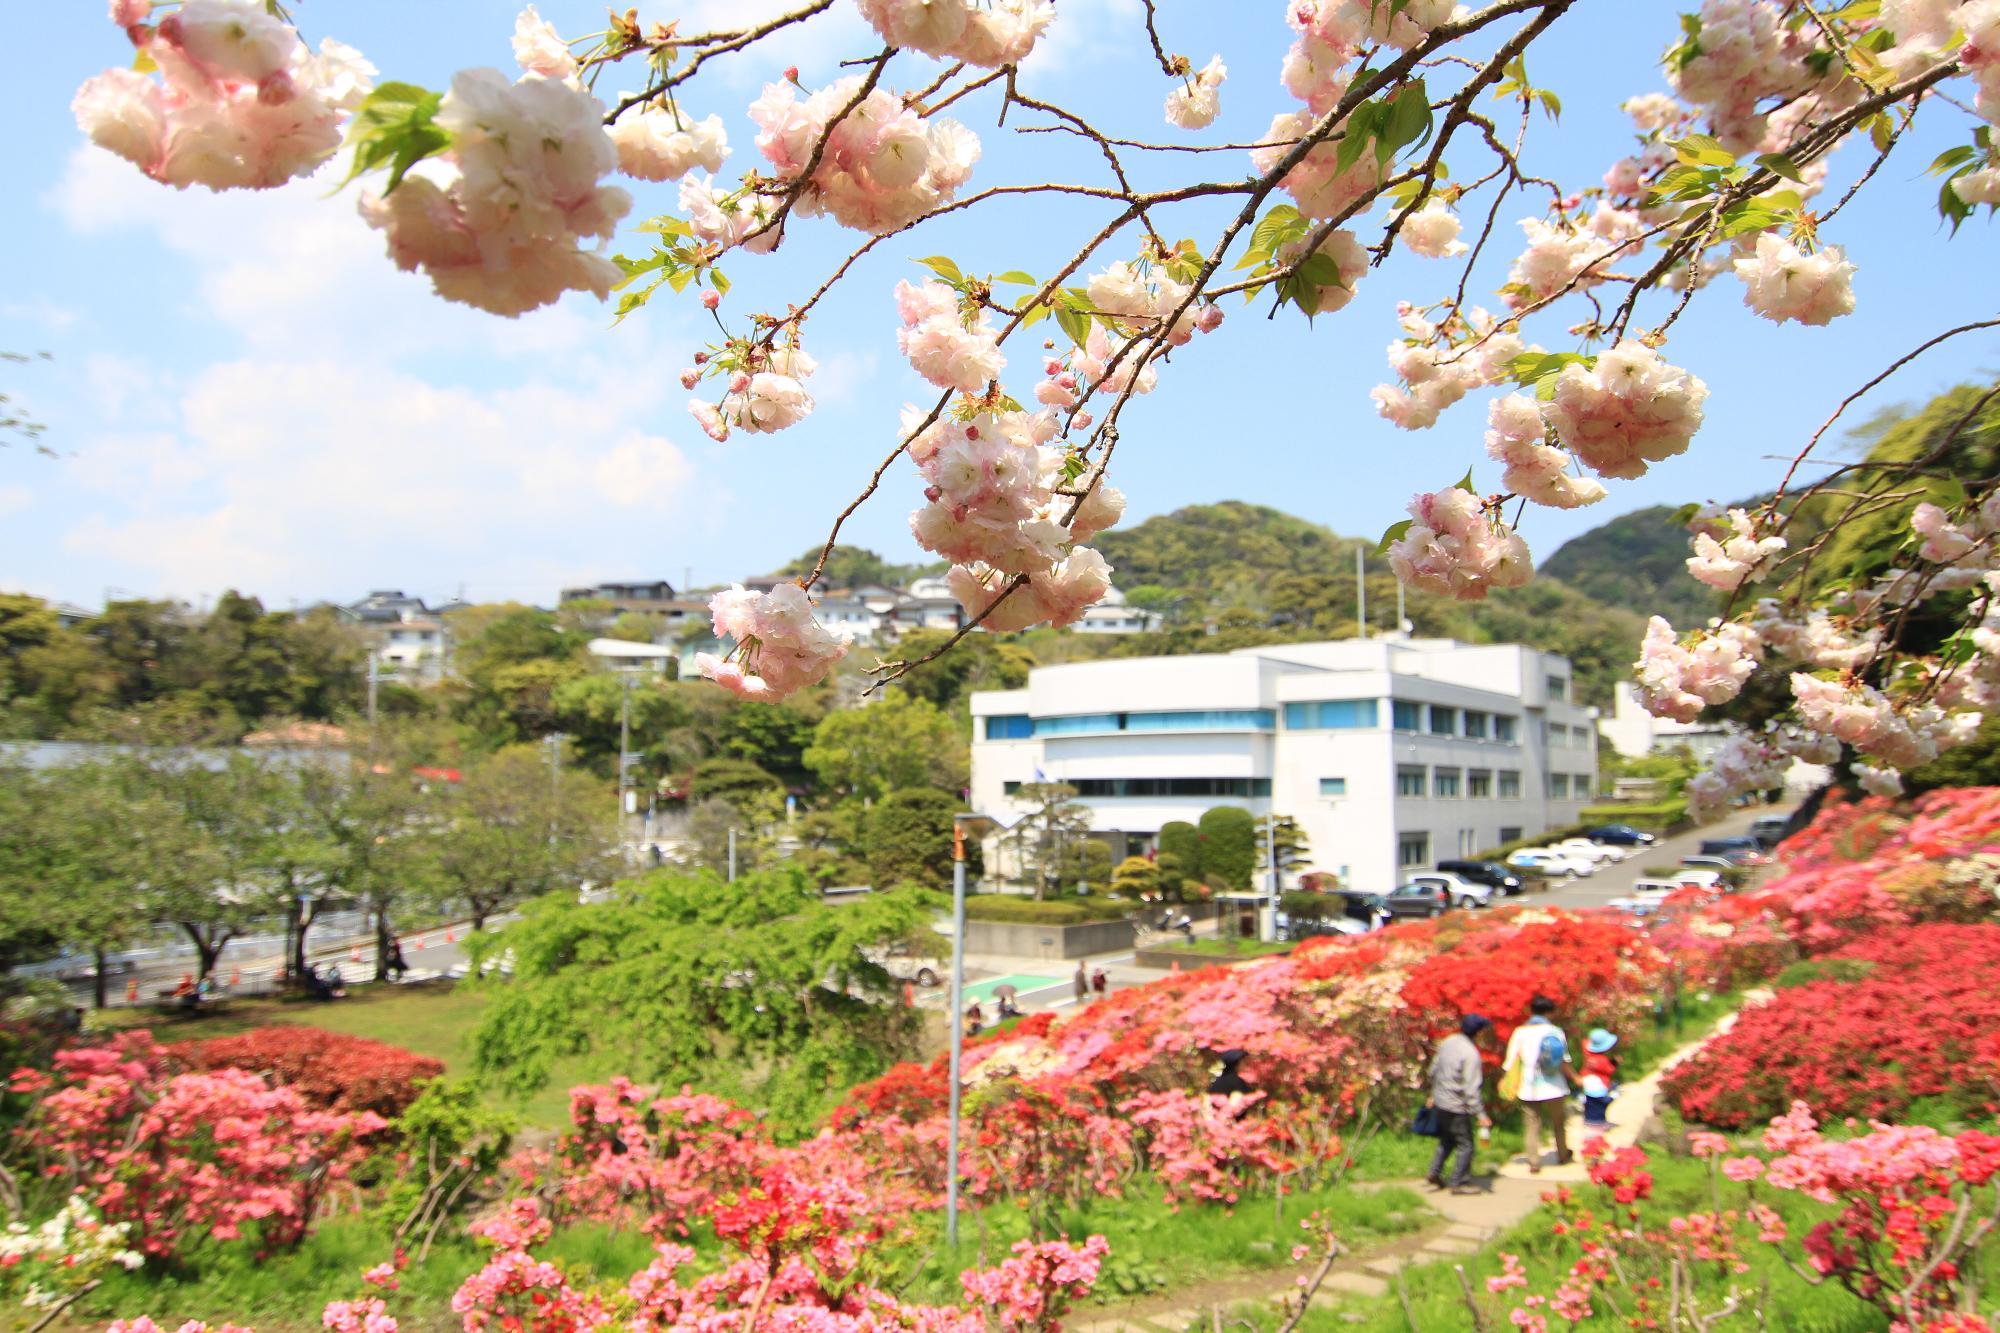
{"x": 1600, "y": 1072}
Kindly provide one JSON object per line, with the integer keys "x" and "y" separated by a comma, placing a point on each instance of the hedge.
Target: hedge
{"x": 1653, "y": 817}
{"x": 1055, "y": 912}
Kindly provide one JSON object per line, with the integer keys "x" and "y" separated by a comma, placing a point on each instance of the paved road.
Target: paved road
{"x": 1615, "y": 880}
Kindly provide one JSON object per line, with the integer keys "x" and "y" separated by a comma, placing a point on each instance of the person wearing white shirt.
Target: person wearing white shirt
{"x": 1539, "y": 1051}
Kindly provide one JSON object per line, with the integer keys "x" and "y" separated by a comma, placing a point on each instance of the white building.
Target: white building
{"x": 1392, "y": 754}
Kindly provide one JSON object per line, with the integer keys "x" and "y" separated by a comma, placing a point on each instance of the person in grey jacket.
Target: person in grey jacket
{"x": 1457, "y": 1081}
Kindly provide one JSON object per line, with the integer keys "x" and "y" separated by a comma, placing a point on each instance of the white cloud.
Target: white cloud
{"x": 13, "y": 499}
{"x": 303, "y": 478}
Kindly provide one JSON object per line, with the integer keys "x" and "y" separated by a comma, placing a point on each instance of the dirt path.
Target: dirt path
{"x": 1464, "y": 1224}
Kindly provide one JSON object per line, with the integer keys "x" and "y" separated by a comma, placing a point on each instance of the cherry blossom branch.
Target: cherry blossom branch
{"x": 1167, "y": 65}
{"x": 804, "y": 180}
{"x": 715, "y": 44}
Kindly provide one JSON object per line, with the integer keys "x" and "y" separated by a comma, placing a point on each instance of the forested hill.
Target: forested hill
{"x": 1234, "y": 575}
{"x": 1636, "y": 560}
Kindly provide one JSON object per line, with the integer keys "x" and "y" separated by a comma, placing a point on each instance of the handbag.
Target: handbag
{"x": 1425, "y": 1123}
{"x": 1510, "y": 1083}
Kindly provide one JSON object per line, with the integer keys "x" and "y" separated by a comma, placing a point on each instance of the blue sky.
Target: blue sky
{"x": 245, "y": 393}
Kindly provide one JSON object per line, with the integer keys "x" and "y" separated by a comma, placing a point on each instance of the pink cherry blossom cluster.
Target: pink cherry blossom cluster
{"x": 991, "y": 36}
{"x": 1350, "y": 259}
{"x": 766, "y": 389}
{"x": 1517, "y": 435}
{"x": 1744, "y": 53}
{"x": 991, "y": 484}
{"x": 1432, "y": 231}
{"x": 1869, "y": 720}
{"x": 1570, "y": 254}
{"x": 952, "y": 347}
{"x": 496, "y": 222}
{"x": 779, "y": 647}
{"x": 1454, "y": 547}
{"x": 882, "y": 165}
{"x": 1821, "y": 639}
{"x": 1739, "y": 765}
{"x": 1332, "y": 34}
{"x": 1782, "y": 282}
{"x": 1440, "y": 362}
{"x": 1317, "y": 183}
{"x": 240, "y": 103}
{"x": 1629, "y": 408}
{"x": 657, "y": 141}
{"x": 1197, "y": 100}
{"x": 1734, "y": 557}
{"x": 1678, "y": 681}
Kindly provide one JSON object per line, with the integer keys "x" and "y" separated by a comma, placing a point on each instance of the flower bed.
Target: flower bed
{"x": 1913, "y": 1026}
{"x": 330, "y": 1071}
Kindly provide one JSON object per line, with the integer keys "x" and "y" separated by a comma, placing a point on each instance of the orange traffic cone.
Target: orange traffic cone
{"x": 909, "y": 996}
{"x": 236, "y": 978}
{"x": 450, "y": 938}
{"x": 354, "y": 954}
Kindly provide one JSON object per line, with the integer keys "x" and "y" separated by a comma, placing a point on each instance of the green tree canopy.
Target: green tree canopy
{"x": 895, "y": 743}
{"x": 1228, "y": 846}
{"x": 758, "y": 989}
{"x": 907, "y": 838}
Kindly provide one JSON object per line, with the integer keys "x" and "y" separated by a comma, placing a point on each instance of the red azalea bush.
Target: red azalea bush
{"x": 1598, "y": 972}
{"x": 1913, "y": 1027}
{"x": 330, "y": 1071}
{"x": 185, "y": 1156}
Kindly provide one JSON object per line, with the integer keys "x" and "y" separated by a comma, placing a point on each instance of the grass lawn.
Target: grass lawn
{"x": 434, "y": 1018}
{"x": 1227, "y": 948}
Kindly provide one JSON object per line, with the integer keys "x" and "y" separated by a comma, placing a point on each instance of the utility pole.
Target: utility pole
{"x": 957, "y": 1024}
{"x": 732, "y": 856}
{"x": 1360, "y": 591}
{"x": 374, "y": 676}
{"x": 624, "y": 746}
{"x": 1271, "y": 860}
{"x": 555, "y": 780}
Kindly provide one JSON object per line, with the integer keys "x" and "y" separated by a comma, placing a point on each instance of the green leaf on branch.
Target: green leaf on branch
{"x": 1702, "y": 150}
{"x": 1780, "y": 165}
{"x": 395, "y": 127}
{"x": 1395, "y": 532}
{"x": 1406, "y": 122}
{"x": 1551, "y": 104}
{"x": 1014, "y": 275}
{"x": 1539, "y": 370}
{"x": 945, "y": 268}
{"x": 1075, "y": 323}
{"x": 1465, "y": 482}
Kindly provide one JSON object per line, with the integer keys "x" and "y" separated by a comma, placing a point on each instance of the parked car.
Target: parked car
{"x": 1554, "y": 864}
{"x": 1718, "y": 863}
{"x": 1458, "y": 891}
{"x": 1655, "y": 888}
{"x": 1484, "y": 872}
{"x": 1621, "y": 835}
{"x": 1597, "y": 853}
{"x": 905, "y": 963}
{"x": 1371, "y": 911}
{"x": 1769, "y": 830}
{"x": 1415, "y": 899}
{"x": 1696, "y": 877}
{"x": 1744, "y": 851}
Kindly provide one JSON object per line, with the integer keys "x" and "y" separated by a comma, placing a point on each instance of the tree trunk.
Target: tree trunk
{"x": 206, "y": 949}
{"x": 306, "y": 920}
{"x": 97, "y": 988}
{"x": 478, "y": 912}
{"x": 381, "y": 945}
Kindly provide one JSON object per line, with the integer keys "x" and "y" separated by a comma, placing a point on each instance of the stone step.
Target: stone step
{"x": 1448, "y": 1246}
{"x": 1339, "y": 1286}
{"x": 1176, "y": 1321}
{"x": 1388, "y": 1265}
{"x": 1471, "y": 1231}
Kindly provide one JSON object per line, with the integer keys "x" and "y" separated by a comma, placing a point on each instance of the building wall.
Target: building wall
{"x": 1223, "y": 717}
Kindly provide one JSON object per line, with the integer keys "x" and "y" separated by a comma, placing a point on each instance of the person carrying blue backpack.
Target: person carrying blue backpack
{"x": 1536, "y": 1071}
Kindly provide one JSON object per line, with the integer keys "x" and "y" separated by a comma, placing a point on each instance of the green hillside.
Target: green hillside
{"x": 1636, "y": 560}
{"x": 1235, "y": 575}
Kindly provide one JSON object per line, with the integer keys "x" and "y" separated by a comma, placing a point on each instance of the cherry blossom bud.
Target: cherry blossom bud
{"x": 701, "y": 358}
{"x": 739, "y": 381}
{"x": 1210, "y": 318}
{"x": 690, "y": 377}
{"x": 791, "y": 74}
{"x": 1083, "y": 420}
{"x": 710, "y": 300}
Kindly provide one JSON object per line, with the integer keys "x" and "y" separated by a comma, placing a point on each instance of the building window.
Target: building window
{"x": 1220, "y": 719}
{"x": 1580, "y": 786}
{"x": 1558, "y": 687}
{"x": 1413, "y": 849}
{"x": 1510, "y": 834}
{"x": 1555, "y": 735}
{"x": 1510, "y": 789}
{"x": 1113, "y": 788}
{"x": 1478, "y": 725}
{"x": 1444, "y": 782}
{"x": 1407, "y": 717}
{"x": 1332, "y": 715}
{"x": 1559, "y": 786}
{"x": 1076, "y": 724}
{"x": 1444, "y": 721}
{"x": 1009, "y": 788}
{"x": 1506, "y": 729}
{"x": 1333, "y": 786}
{"x": 1479, "y": 784}
{"x": 1410, "y": 780}
{"x": 1011, "y": 727}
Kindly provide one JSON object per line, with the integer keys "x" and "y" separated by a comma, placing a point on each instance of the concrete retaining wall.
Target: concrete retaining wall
{"x": 1021, "y": 939}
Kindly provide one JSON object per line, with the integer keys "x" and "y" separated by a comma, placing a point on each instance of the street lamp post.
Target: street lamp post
{"x": 1271, "y": 861}
{"x": 624, "y": 747}
{"x": 960, "y": 825}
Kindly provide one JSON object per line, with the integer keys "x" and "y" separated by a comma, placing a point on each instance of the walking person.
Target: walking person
{"x": 1099, "y": 983}
{"x": 1082, "y": 983}
{"x": 1600, "y": 1078}
{"x": 1457, "y": 1086}
{"x": 1537, "y": 1067}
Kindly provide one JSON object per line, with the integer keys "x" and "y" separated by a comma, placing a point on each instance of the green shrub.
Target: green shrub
{"x": 1055, "y": 912}
{"x": 1228, "y": 846}
{"x": 1653, "y": 817}
{"x": 1823, "y": 969}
